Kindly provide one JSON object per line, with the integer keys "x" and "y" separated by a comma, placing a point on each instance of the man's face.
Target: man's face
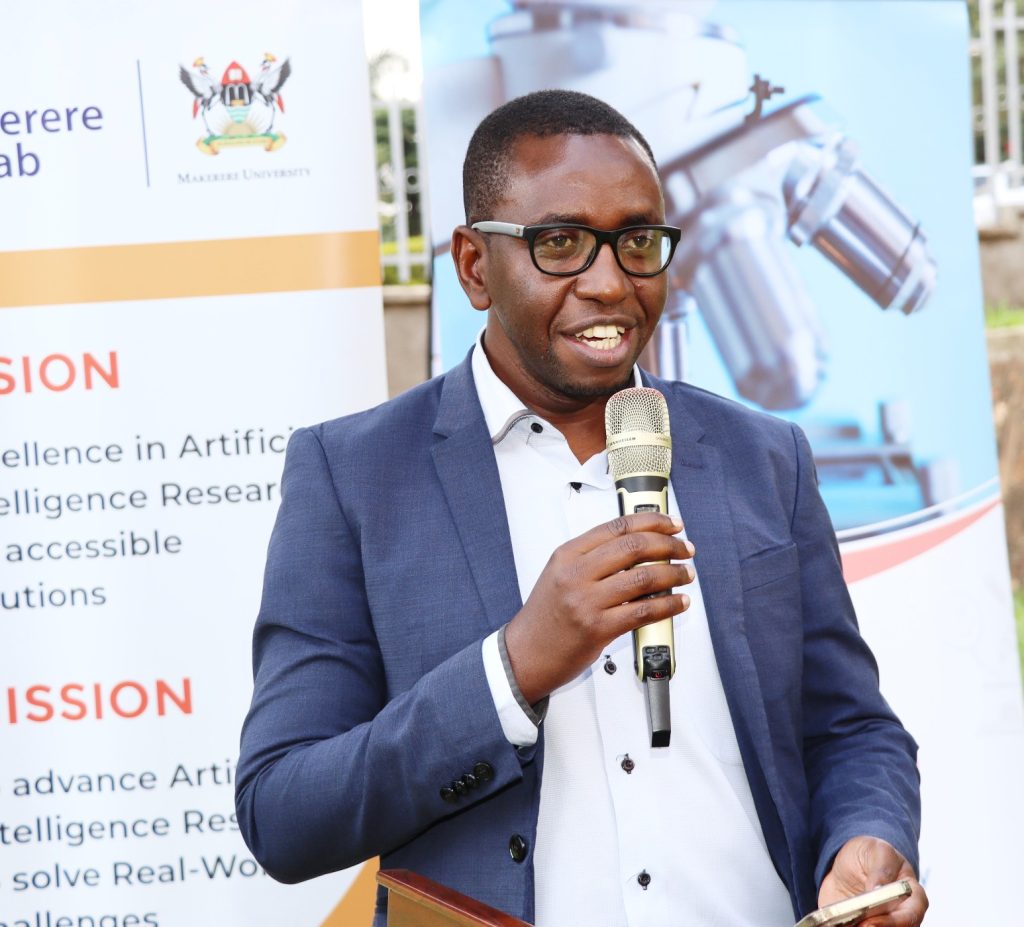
{"x": 564, "y": 341}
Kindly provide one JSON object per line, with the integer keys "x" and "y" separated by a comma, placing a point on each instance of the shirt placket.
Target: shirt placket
{"x": 620, "y": 718}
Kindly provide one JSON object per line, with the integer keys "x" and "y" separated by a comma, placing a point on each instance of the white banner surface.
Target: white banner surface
{"x": 189, "y": 271}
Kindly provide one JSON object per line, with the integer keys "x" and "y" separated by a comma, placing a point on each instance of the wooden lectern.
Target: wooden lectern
{"x": 415, "y": 901}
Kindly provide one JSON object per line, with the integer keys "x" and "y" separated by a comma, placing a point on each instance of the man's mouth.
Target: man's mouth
{"x": 602, "y": 337}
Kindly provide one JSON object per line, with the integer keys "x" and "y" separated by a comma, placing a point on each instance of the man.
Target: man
{"x": 448, "y": 566}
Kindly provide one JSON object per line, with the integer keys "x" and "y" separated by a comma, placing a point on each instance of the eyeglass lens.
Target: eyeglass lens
{"x": 566, "y": 250}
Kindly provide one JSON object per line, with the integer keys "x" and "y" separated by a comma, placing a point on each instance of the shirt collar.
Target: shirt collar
{"x": 502, "y": 408}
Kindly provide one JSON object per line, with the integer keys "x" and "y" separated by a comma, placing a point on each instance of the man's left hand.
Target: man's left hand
{"x": 865, "y": 863}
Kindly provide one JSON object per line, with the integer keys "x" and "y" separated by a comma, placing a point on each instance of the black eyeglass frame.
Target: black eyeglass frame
{"x": 611, "y": 237}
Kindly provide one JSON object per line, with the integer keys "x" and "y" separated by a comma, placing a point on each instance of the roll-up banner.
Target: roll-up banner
{"x": 817, "y": 157}
{"x": 189, "y": 270}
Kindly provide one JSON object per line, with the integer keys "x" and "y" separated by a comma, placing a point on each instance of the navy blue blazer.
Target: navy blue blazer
{"x": 389, "y": 563}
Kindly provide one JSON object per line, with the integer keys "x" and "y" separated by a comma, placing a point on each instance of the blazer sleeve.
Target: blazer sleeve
{"x": 331, "y": 770}
{"x": 860, "y": 762}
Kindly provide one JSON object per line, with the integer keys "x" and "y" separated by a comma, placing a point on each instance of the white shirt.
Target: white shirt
{"x": 683, "y": 815}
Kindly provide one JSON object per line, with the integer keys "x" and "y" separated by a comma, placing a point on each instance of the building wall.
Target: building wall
{"x": 1006, "y": 362}
{"x": 407, "y": 336}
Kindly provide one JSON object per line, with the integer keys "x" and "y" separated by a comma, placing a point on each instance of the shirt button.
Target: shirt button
{"x": 644, "y": 879}
{"x": 517, "y": 847}
{"x": 627, "y": 764}
{"x": 537, "y": 427}
{"x": 609, "y": 666}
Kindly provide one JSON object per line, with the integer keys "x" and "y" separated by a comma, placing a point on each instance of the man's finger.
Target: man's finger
{"x": 623, "y": 525}
{"x": 644, "y": 580}
{"x": 881, "y": 863}
{"x": 909, "y": 912}
{"x": 631, "y": 615}
{"x": 629, "y": 550}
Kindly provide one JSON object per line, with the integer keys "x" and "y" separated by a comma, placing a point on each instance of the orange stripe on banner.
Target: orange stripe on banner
{"x": 357, "y": 906}
{"x": 112, "y": 273}
{"x": 860, "y": 564}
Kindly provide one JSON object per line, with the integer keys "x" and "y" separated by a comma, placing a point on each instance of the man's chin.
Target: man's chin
{"x": 576, "y": 390}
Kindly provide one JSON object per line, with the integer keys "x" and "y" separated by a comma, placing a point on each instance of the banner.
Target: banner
{"x": 189, "y": 270}
{"x": 817, "y": 157}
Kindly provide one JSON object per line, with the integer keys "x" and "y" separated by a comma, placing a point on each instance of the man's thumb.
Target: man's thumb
{"x": 881, "y": 864}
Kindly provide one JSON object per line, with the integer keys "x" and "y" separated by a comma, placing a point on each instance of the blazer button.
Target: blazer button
{"x": 449, "y": 795}
{"x": 483, "y": 771}
{"x": 470, "y": 780}
{"x": 517, "y": 847}
{"x": 459, "y": 786}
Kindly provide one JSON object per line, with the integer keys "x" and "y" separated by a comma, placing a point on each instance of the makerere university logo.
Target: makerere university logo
{"x": 237, "y": 111}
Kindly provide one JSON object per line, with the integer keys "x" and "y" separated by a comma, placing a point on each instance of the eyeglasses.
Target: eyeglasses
{"x": 565, "y": 249}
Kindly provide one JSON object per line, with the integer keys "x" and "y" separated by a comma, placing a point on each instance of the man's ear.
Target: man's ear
{"x": 469, "y": 252}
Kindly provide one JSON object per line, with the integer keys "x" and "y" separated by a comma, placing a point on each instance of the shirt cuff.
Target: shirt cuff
{"x": 518, "y": 719}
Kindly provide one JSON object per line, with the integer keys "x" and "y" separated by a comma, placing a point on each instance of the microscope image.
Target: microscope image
{"x": 752, "y": 171}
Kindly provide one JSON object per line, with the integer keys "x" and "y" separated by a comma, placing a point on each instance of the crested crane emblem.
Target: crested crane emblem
{"x": 237, "y": 110}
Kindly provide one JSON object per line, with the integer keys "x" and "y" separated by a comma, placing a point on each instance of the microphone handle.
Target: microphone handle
{"x": 653, "y": 644}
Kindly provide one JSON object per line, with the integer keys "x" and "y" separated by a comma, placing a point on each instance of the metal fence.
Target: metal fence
{"x": 996, "y": 71}
{"x": 401, "y": 192}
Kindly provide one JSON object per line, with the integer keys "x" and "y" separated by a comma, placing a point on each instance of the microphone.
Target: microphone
{"x": 640, "y": 458}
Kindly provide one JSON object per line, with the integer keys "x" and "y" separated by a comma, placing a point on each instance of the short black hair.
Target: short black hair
{"x": 486, "y": 170}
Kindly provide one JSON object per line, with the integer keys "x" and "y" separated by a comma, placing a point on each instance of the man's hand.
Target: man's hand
{"x": 591, "y": 591}
{"x": 865, "y": 863}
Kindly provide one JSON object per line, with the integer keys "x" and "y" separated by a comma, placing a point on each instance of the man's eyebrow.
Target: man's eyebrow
{"x": 552, "y": 218}
{"x": 641, "y": 218}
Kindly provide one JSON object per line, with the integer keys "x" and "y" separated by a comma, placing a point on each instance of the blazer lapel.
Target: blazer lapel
{"x": 468, "y": 471}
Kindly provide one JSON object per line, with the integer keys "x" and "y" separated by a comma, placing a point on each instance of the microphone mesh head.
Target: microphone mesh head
{"x": 637, "y": 409}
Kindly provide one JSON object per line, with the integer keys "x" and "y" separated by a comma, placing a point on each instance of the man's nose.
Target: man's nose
{"x": 604, "y": 280}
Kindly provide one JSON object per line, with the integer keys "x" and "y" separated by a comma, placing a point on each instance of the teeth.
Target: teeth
{"x": 602, "y": 337}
